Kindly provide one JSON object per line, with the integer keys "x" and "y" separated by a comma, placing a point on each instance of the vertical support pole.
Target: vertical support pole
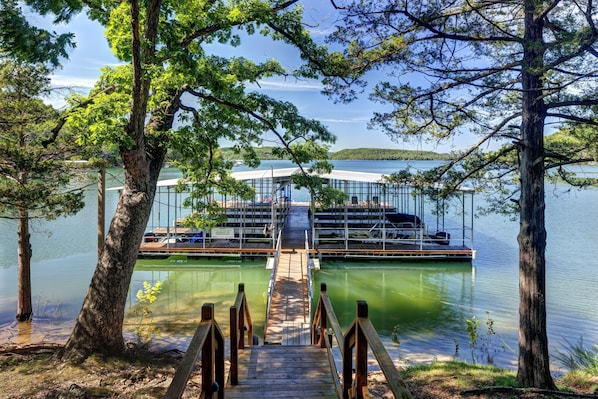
{"x": 234, "y": 350}
{"x": 241, "y": 319}
{"x": 361, "y": 350}
{"x": 219, "y": 364}
{"x": 471, "y": 239}
{"x": 348, "y": 342}
{"x": 207, "y": 352}
{"x": 323, "y": 325}
{"x": 101, "y": 208}
{"x": 168, "y": 218}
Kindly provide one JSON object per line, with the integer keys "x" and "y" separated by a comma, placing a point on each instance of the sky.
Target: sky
{"x": 348, "y": 122}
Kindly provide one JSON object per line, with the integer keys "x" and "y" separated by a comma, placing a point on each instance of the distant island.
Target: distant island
{"x": 368, "y": 154}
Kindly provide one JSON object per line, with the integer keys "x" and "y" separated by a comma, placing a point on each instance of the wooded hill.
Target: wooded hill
{"x": 265, "y": 153}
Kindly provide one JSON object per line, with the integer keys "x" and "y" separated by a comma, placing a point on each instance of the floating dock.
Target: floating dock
{"x": 378, "y": 221}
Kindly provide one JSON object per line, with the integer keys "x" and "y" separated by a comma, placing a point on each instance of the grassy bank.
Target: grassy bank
{"x": 36, "y": 373}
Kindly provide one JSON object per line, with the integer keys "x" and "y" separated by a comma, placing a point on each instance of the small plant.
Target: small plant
{"x": 485, "y": 346}
{"x": 146, "y": 327}
{"x": 456, "y": 342}
{"x": 472, "y": 330}
{"x": 578, "y": 357}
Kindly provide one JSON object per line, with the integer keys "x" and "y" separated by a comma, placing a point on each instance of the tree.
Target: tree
{"x": 503, "y": 70}
{"x": 166, "y": 48}
{"x": 22, "y": 41}
{"x": 34, "y": 177}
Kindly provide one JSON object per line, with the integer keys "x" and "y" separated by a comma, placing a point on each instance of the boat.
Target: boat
{"x": 403, "y": 219}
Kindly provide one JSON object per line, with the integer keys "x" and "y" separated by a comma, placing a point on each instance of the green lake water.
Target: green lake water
{"x": 426, "y": 304}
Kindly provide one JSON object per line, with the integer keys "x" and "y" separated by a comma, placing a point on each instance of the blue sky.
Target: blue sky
{"x": 348, "y": 122}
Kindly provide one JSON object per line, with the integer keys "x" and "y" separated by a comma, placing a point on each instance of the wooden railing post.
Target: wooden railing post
{"x": 237, "y": 335}
{"x": 234, "y": 350}
{"x": 323, "y": 326}
{"x": 219, "y": 364}
{"x": 348, "y": 343}
{"x": 241, "y": 315}
{"x": 207, "y": 352}
{"x": 361, "y": 350}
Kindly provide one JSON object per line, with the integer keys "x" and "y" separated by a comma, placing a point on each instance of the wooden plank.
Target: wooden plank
{"x": 283, "y": 372}
{"x": 289, "y": 320}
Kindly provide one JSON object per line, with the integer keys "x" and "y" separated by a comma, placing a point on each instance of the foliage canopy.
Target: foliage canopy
{"x": 503, "y": 71}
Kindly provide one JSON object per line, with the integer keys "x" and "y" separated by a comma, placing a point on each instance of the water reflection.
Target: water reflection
{"x": 188, "y": 285}
{"x": 426, "y": 304}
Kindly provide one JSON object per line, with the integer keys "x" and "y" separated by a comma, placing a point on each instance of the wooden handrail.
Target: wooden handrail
{"x": 209, "y": 341}
{"x": 358, "y": 336}
{"x": 240, "y": 321}
{"x": 324, "y": 313}
{"x": 310, "y": 266}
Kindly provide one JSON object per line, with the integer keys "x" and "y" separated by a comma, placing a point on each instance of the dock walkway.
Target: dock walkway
{"x": 287, "y": 365}
{"x": 289, "y": 320}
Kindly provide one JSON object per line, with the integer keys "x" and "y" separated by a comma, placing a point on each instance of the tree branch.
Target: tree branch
{"x": 572, "y": 118}
{"x": 56, "y": 129}
{"x": 243, "y": 109}
{"x": 205, "y": 31}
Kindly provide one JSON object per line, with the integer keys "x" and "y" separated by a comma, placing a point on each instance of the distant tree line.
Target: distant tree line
{"x": 387, "y": 154}
{"x": 267, "y": 154}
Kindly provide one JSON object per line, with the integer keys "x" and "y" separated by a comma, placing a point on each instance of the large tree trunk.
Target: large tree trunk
{"x": 533, "y": 366}
{"x": 24, "y": 305}
{"x": 99, "y": 325}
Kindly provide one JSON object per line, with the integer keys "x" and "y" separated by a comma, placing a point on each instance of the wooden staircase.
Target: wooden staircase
{"x": 285, "y": 371}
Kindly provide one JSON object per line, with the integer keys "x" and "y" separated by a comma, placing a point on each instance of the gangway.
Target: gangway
{"x": 296, "y": 359}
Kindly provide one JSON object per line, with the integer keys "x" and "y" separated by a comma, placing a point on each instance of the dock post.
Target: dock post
{"x": 361, "y": 350}
{"x": 208, "y": 361}
{"x": 323, "y": 326}
{"x": 234, "y": 349}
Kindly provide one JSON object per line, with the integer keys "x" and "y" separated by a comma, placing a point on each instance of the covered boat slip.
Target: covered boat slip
{"x": 378, "y": 220}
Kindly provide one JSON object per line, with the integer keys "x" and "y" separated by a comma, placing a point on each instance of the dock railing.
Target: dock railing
{"x": 272, "y": 281}
{"x": 240, "y": 322}
{"x": 208, "y": 341}
{"x": 310, "y": 265}
{"x": 359, "y": 336}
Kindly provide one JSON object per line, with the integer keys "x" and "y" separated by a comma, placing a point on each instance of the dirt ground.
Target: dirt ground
{"x": 34, "y": 372}
{"x": 30, "y": 368}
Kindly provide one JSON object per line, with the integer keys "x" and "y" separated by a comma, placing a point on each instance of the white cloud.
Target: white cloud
{"x": 72, "y": 82}
{"x": 287, "y": 85}
{"x": 346, "y": 120}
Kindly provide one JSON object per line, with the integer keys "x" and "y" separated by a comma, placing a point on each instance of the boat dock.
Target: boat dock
{"x": 377, "y": 220}
{"x": 340, "y": 244}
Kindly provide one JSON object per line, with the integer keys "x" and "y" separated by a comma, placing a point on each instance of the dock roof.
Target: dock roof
{"x": 287, "y": 173}
{"x": 283, "y": 173}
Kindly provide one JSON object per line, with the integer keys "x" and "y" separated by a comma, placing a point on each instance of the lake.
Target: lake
{"x": 425, "y": 305}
